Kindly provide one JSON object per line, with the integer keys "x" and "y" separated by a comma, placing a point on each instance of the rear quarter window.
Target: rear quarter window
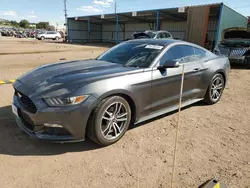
{"x": 199, "y": 53}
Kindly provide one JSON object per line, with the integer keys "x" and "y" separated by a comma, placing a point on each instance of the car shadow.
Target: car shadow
{"x": 14, "y": 142}
{"x": 200, "y": 103}
{"x": 239, "y": 66}
{"x": 93, "y": 44}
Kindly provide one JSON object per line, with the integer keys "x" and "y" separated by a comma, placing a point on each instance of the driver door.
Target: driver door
{"x": 166, "y": 83}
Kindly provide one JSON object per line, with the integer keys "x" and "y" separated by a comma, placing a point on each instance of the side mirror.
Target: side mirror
{"x": 169, "y": 64}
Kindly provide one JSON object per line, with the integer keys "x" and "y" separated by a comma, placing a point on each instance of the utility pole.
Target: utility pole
{"x": 115, "y": 6}
{"x": 65, "y": 14}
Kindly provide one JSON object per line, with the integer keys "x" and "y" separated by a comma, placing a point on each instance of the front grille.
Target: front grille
{"x": 27, "y": 102}
{"x": 237, "y": 52}
{"x": 28, "y": 123}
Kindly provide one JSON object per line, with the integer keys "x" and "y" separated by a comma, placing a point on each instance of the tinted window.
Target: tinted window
{"x": 165, "y": 35}
{"x": 180, "y": 53}
{"x": 132, "y": 54}
{"x": 49, "y": 32}
{"x": 160, "y": 35}
{"x": 199, "y": 53}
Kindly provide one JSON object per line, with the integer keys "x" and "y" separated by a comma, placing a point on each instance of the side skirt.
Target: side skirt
{"x": 167, "y": 110}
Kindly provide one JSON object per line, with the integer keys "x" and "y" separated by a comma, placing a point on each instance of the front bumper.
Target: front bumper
{"x": 73, "y": 120}
{"x": 239, "y": 59}
{"x": 235, "y": 55}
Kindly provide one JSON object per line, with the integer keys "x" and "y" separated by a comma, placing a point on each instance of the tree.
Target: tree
{"x": 42, "y": 25}
{"x": 24, "y": 24}
{"x": 51, "y": 28}
{"x": 14, "y": 23}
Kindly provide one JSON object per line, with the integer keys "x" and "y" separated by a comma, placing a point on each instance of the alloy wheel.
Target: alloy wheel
{"x": 114, "y": 120}
{"x": 217, "y": 88}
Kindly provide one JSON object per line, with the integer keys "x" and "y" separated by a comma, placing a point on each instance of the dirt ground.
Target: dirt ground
{"x": 214, "y": 141}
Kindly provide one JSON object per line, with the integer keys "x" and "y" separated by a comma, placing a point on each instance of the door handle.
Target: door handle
{"x": 196, "y": 69}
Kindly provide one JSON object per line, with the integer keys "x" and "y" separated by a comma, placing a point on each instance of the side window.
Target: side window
{"x": 160, "y": 36}
{"x": 166, "y": 35}
{"x": 180, "y": 53}
{"x": 199, "y": 53}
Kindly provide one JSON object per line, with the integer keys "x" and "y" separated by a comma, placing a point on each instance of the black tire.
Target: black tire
{"x": 95, "y": 123}
{"x": 57, "y": 38}
{"x": 42, "y": 38}
{"x": 209, "y": 97}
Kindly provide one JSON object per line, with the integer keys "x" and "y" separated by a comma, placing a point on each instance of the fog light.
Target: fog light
{"x": 52, "y": 125}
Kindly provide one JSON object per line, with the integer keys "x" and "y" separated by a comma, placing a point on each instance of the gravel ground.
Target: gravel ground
{"x": 214, "y": 141}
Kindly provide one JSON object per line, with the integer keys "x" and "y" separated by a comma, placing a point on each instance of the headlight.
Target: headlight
{"x": 54, "y": 102}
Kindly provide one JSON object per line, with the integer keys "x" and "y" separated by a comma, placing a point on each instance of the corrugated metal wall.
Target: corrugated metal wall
{"x": 109, "y": 33}
{"x": 212, "y": 29}
{"x": 230, "y": 18}
{"x": 78, "y": 31}
{"x": 95, "y": 33}
{"x": 196, "y": 29}
{"x": 177, "y": 29}
{"x": 132, "y": 28}
{"x": 197, "y": 22}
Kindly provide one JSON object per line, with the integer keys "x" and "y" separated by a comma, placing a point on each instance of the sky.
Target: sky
{"x": 52, "y": 10}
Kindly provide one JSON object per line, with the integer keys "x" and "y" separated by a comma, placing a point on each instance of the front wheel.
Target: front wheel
{"x": 215, "y": 89}
{"x": 109, "y": 121}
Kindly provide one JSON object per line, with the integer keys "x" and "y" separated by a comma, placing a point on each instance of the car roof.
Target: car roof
{"x": 162, "y": 42}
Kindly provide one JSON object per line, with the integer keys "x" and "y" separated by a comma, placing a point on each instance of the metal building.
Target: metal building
{"x": 201, "y": 24}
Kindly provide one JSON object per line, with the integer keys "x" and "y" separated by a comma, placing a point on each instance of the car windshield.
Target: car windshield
{"x": 132, "y": 54}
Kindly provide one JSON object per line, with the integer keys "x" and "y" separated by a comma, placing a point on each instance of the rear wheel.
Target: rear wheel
{"x": 109, "y": 121}
{"x": 215, "y": 89}
{"x": 42, "y": 38}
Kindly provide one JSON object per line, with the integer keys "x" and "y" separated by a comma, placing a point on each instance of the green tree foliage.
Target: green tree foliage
{"x": 14, "y": 23}
{"x": 51, "y": 28}
{"x": 24, "y": 24}
{"x": 42, "y": 25}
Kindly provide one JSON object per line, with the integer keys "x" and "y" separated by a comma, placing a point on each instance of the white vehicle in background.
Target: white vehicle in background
{"x": 49, "y": 35}
{"x": 153, "y": 34}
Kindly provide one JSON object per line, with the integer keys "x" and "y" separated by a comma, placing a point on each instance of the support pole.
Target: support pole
{"x": 117, "y": 29}
{"x": 89, "y": 29}
{"x": 157, "y": 20}
{"x": 177, "y": 128}
{"x": 219, "y": 26}
{"x": 66, "y": 19}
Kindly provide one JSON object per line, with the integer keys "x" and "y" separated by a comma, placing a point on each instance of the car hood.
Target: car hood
{"x": 236, "y": 37}
{"x": 67, "y": 77}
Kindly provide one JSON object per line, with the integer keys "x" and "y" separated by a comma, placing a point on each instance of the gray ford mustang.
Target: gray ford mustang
{"x": 130, "y": 83}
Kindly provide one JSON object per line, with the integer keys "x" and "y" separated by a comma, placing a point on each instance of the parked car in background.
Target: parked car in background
{"x": 100, "y": 98}
{"x": 235, "y": 45}
{"x": 49, "y": 35}
{"x": 151, "y": 34}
